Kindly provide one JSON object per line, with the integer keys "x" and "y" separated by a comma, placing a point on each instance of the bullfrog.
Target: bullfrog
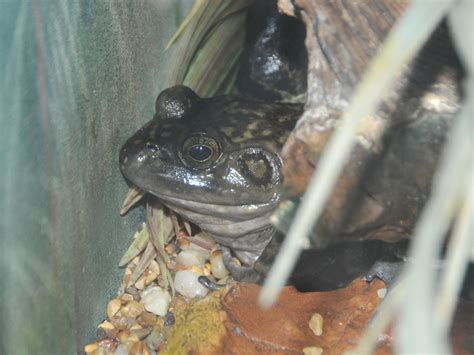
{"x": 215, "y": 161}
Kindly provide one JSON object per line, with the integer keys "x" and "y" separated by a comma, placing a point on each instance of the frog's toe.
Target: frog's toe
{"x": 386, "y": 271}
{"x": 239, "y": 272}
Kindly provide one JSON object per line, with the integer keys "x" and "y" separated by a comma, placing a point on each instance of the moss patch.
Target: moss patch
{"x": 199, "y": 327}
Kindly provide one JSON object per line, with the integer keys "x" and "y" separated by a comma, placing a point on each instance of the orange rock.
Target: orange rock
{"x": 284, "y": 328}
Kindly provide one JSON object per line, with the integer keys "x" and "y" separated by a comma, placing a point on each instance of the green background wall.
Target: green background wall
{"x": 77, "y": 78}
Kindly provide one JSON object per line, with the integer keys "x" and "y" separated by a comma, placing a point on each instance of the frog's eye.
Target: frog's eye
{"x": 200, "y": 151}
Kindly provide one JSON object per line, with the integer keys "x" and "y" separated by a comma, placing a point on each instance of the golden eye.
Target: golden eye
{"x": 200, "y": 151}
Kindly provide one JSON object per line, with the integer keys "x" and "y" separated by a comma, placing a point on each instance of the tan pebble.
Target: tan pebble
{"x": 123, "y": 336}
{"x": 170, "y": 249}
{"x": 223, "y": 281}
{"x": 106, "y": 325}
{"x": 148, "y": 318}
{"x": 135, "y": 348}
{"x": 146, "y": 350}
{"x": 316, "y": 324}
{"x": 207, "y": 269}
{"x": 140, "y": 284}
{"x": 196, "y": 269}
{"x": 126, "y": 297}
{"x": 126, "y": 276}
{"x": 113, "y": 307}
{"x": 217, "y": 265}
{"x": 237, "y": 261}
{"x": 128, "y": 271}
{"x": 134, "y": 292}
{"x": 132, "y": 309}
{"x": 183, "y": 233}
{"x": 171, "y": 264}
{"x": 312, "y": 350}
{"x": 119, "y": 322}
{"x": 183, "y": 242}
{"x": 108, "y": 344}
{"x": 154, "y": 266}
{"x": 127, "y": 337}
{"x": 154, "y": 339}
{"x": 141, "y": 333}
{"x": 151, "y": 277}
{"x": 90, "y": 348}
{"x": 180, "y": 267}
{"x": 135, "y": 326}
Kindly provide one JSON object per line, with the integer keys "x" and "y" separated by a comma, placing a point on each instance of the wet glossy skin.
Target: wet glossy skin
{"x": 216, "y": 162}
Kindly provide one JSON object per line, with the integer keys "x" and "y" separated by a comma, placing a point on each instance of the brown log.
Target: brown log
{"x": 388, "y": 177}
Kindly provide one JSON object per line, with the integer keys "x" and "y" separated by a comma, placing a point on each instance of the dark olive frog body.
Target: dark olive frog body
{"x": 216, "y": 162}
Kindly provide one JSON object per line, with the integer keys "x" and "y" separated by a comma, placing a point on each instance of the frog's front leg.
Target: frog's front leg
{"x": 247, "y": 248}
{"x": 238, "y": 271}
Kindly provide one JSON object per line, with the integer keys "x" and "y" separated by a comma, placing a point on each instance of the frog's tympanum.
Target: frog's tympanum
{"x": 216, "y": 162}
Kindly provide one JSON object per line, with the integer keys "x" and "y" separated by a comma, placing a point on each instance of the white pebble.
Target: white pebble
{"x": 189, "y": 258}
{"x": 187, "y": 284}
{"x": 312, "y": 350}
{"x": 156, "y": 300}
{"x": 316, "y": 324}
{"x": 381, "y": 292}
{"x": 218, "y": 268}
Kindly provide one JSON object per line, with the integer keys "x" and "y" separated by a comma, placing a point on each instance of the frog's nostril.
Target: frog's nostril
{"x": 152, "y": 147}
{"x": 154, "y": 151}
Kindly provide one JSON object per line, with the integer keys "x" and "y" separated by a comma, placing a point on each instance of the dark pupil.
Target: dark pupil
{"x": 200, "y": 152}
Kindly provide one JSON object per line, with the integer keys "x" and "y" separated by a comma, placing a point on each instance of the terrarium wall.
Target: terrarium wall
{"x": 77, "y": 78}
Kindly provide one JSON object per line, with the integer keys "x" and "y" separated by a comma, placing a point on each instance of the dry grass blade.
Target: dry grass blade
{"x": 175, "y": 221}
{"x": 168, "y": 278}
{"x": 200, "y": 241}
{"x": 197, "y": 7}
{"x": 139, "y": 243}
{"x": 161, "y": 229}
{"x": 148, "y": 255}
{"x": 187, "y": 226}
{"x": 217, "y": 57}
{"x": 134, "y": 195}
{"x": 208, "y": 44}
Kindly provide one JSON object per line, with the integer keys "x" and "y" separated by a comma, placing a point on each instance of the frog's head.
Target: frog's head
{"x": 213, "y": 160}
